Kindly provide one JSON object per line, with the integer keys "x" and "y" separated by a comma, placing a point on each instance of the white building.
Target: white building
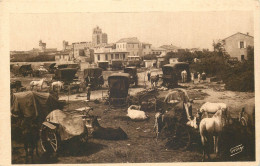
{"x": 158, "y": 51}
{"x": 133, "y": 46}
{"x": 146, "y": 49}
{"x": 236, "y": 45}
{"x": 108, "y": 54}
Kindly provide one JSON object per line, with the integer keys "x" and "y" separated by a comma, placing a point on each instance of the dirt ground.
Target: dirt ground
{"x": 141, "y": 145}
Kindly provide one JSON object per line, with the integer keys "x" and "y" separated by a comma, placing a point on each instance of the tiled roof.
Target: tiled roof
{"x": 170, "y": 47}
{"x": 146, "y": 44}
{"x": 158, "y": 48}
{"x": 238, "y": 33}
{"x": 132, "y": 40}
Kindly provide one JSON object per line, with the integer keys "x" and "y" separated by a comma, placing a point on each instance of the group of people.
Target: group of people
{"x": 184, "y": 76}
{"x": 199, "y": 76}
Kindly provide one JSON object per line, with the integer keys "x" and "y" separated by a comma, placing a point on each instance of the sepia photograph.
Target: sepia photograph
{"x": 132, "y": 86}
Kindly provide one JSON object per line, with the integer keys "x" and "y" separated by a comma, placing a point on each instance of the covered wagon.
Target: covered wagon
{"x": 118, "y": 88}
{"x": 93, "y": 76}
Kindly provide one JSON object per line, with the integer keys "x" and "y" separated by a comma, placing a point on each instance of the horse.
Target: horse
{"x": 154, "y": 80}
{"x": 37, "y": 83}
{"x": 57, "y": 84}
{"x": 211, "y": 127}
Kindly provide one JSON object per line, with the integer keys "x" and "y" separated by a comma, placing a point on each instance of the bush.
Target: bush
{"x": 237, "y": 78}
{"x": 150, "y": 57}
{"x": 212, "y": 63}
{"x": 240, "y": 78}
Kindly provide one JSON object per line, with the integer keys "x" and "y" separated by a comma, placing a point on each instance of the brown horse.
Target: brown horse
{"x": 154, "y": 80}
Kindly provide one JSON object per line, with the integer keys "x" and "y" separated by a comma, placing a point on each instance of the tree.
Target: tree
{"x": 218, "y": 46}
{"x": 220, "y": 49}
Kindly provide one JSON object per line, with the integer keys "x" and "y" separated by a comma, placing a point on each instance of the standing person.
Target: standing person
{"x": 149, "y": 75}
{"x": 192, "y": 77}
{"x": 195, "y": 75}
{"x": 182, "y": 76}
{"x": 199, "y": 77}
{"x": 203, "y": 76}
{"x": 88, "y": 80}
{"x": 185, "y": 75}
{"x": 88, "y": 92}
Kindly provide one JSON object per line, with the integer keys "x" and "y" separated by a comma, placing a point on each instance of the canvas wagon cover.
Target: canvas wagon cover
{"x": 69, "y": 125}
{"x": 177, "y": 95}
{"x": 31, "y": 104}
{"x": 93, "y": 72}
{"x": 118, "y": 85}
{"x": 67, "y": 74}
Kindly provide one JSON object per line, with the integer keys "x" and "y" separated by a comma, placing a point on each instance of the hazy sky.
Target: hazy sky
{"x": 183, "y": 29}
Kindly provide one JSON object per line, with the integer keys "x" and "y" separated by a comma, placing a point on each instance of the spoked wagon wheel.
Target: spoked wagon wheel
{"x": 49, "y": 139}
{"x": 182, "y": 139}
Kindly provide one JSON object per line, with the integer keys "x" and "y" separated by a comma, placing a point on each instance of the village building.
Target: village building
{"x": 133, "y": 46}
{"x": 63, "y": 56}
{"x": 149, "y": 63}
{"x": 158, "y": 51}
{"x": 236, "y": 45}
{"x": 108, "y": 55}
{"x": 79, "y": 51}
{"x": 146, "y": 49}
{"x": 130, "y": 45}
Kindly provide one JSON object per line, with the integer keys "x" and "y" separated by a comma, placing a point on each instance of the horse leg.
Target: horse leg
{"x": 208, "y": 149}
{"x": 214, "y": 143}
{"x": 26, "y": 151}
{"x": 217, "y": 152}
{"x": 32, "y": 150}
{"x": 36, "y": 148}
{"x": 203, "y": 148}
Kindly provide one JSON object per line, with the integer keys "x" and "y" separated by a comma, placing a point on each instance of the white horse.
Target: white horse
{"x": 37, "y": 83}
{"x": 211, "y": 127}
{"x": 58, "y": 84}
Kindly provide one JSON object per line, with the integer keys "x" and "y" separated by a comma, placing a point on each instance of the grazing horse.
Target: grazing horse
{"x": 154, "y": 80}
{"x": 211, "y": 127}
{"x": 37, "y": 83}
{"x": 57, "y": 84}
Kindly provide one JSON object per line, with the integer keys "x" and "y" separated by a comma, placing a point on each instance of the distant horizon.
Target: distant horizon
{"x": 181, "y": 29}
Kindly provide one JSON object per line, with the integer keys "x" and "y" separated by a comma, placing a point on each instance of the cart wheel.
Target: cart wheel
{"x": 181, "y": 140}
{"x": 49, "y": 139}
